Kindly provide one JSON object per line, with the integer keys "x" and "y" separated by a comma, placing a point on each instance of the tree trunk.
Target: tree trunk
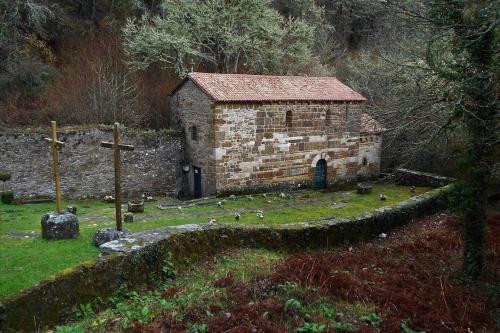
{"x": 474, "y": 234}
{"x": 476, "y": 176}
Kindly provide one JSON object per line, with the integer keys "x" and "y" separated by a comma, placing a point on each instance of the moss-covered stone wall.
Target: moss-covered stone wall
{"x": 418, "y": 178}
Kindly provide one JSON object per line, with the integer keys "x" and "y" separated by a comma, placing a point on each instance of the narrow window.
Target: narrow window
{"x": 365, "y": 161}
{"x": 194, "y": 133}
{"x": 329, "y": 117}
{"x": 346, "y": 111}
{"x": 288, "y": 118}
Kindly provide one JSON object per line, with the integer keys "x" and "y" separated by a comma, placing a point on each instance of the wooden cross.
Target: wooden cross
{"x": 117, "y": 147}
{"x": 55, "y": 163}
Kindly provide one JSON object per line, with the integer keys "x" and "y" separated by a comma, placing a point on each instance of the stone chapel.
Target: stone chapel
{"x": 259, "y": 132}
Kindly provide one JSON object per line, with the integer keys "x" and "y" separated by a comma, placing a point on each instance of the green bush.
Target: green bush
{"x": 7, "y": 197}
{"x": 4, "y": 176}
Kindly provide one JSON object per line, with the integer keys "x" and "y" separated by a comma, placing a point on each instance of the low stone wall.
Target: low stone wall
{"x": 86, "y": 168}
{"x": 139, "y": 259}
{"x": 418, "y": 178}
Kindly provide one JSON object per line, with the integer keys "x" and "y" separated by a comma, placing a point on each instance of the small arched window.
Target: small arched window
{"x": 194, "y": 133}
{"x": 289, "y": 118}
{"x": 365, "y": 161}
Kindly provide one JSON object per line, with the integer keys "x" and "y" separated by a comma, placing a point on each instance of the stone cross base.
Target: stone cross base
{"x": 135, "y": 206}
{"x": 60, "y": 226}
{"x": 363, "y": 188}
{"x": 106, "y": 235}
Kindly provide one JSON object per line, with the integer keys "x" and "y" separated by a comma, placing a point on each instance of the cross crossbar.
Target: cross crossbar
{"x": 58, "y": 143}
{"x": 119, "y": 146}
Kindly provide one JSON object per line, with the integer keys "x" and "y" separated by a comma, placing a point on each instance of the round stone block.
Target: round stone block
{"x": 71, "y": 209}
{"x": 107, "y": 235}
{"x": 128, "y": 217}
{"x": 136, "y": 206}
{"x": 364, "y": 188}
{"x": 60, "y": 226}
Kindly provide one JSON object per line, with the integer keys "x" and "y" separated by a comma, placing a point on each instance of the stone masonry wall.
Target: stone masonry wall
{"x": 192, "y": 108}
{"x": 258, "y": 145}
{"x": 370, "y": 146}
{"x": 87, "y": 169}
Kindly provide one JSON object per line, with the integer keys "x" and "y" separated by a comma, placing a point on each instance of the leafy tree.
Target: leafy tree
{"x": 245, "y": 35}
{"x": 24, "y": 28}
{"x": 465, "y": 52}
{"x": 315, "y": 16}
{"x": 433, "y": 81}
{"x": 409, "y": 99}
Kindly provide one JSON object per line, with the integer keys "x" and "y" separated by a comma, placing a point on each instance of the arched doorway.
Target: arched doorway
{"x": 320, "y": 174}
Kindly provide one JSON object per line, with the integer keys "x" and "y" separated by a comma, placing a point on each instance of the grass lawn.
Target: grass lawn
{"x": 26, "y": 259}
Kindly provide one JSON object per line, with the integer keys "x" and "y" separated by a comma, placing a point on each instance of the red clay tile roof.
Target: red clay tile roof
{"x": 370, "y": 125}
{"x": 253, "y": 88}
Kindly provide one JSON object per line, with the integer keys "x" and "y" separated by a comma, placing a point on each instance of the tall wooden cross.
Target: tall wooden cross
{"x": 117, "y": 147}
{"x": 55, "y": 163}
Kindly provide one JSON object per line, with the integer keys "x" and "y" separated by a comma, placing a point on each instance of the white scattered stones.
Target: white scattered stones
{"x": 147, "y": 198}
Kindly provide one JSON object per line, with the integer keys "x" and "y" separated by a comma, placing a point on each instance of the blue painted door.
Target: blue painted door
{"x": 197, "y": 182}
{"x": 320, "y": 174}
